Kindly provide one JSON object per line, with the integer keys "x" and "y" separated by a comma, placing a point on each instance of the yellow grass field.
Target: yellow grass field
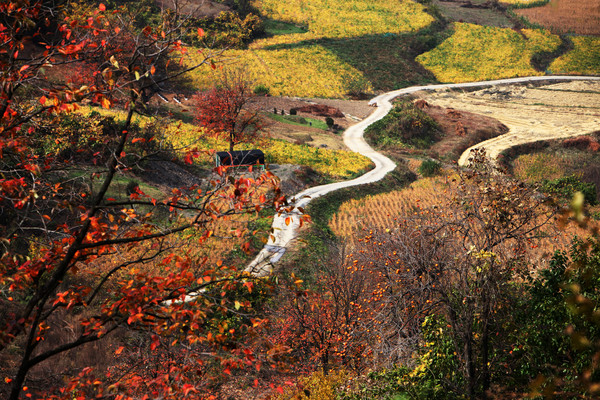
{"x": 309, "y": 70}
{"x": 183, "y": 137}
{"x": 476, "y": 53}
{"x": 382, "y": 210}
{"x": 295, "y": 65}
{"x": 584, "y": 59}
{"x": 350, "y": 17}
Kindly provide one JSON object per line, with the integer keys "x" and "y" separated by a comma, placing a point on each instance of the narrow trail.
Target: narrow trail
{"x": 283, "y": 234}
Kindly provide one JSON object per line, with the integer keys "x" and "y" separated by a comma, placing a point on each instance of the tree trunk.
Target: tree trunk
{"x": 470, "y": 366}
{"x": 325, "y": 362}
{"x": 485, "y": 350}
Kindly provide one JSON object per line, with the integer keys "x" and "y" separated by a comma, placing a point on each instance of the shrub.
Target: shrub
{"x": 404, "y": 125}
{"x": 357, "y": 87}
{"x": 430, "y": 168}
{"x": 226, "y": 30}
{"x": 132, "y": 187}
{"x": 537, "y": 166}
{"x": 329, "y": 121}
{"x": 582, "y": 143}
{"x": 566, "y": 187}
{"x": 316, "y": 386}
{"x": 554, "y": 309}
{"x": 297, "y": 118}
{"x": 293, "y": 111}
{"x": 261, "y": 90}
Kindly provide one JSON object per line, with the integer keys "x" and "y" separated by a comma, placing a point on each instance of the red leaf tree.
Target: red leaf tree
{"x": 330, "y": 324}
{"x": 79, "y": 268}
{"x": 223, "y": 110}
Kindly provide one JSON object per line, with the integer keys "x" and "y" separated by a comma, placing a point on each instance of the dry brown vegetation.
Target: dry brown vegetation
{"x": 195, "y": 8}
{"x": 565, "y": 16}
{"x": 387, "y": 210}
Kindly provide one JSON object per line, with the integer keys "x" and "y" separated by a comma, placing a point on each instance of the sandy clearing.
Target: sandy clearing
{"x": 531, "y": 113}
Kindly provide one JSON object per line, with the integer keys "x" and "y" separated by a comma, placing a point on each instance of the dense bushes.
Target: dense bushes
{"x": 549, "y": 341}
{"x": 261, "y": 90}
{"x": 430, "y": 168}
{"x": 405, "y": 125}
{"x": 565, "y": 187}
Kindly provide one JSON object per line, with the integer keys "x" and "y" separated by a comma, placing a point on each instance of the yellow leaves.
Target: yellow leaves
{"x": 114, "y": 62}
{"x": 105, "y": 102}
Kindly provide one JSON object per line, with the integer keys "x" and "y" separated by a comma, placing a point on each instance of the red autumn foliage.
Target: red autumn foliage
{"x": 222, "y": 111}
{"x": 331, "y": 323}
{"x": 79, "y": 268}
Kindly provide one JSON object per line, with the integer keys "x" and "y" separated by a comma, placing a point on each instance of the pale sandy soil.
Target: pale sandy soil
{"x": 531, "y": 113}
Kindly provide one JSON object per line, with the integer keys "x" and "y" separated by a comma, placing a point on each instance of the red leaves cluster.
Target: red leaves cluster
{"x": 223, "y": 112}
{"x": 80, "y": 260}
{"x": 330, "y": 325}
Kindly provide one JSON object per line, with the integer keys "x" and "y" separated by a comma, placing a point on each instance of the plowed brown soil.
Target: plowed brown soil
{"x": 567, "y": 16}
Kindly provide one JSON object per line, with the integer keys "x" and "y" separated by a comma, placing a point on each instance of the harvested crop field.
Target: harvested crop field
{"x": 565, "y": 16}
{"x": 531, "y": 113}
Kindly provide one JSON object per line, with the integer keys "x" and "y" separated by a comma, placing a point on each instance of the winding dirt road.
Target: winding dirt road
{"x": 283, "y": 234}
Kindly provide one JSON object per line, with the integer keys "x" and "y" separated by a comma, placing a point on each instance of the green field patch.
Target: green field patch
{"x": 298, "y": 120}
{"x": 274, "y": 27}
{"x": 525, "y": 3}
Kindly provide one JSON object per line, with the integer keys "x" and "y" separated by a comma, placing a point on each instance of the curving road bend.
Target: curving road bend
{"x": 283, "y": 234}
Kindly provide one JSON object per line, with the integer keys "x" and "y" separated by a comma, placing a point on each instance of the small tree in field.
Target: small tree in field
{"x": 80, "y": 268}
{"x": 222, "y": 110}
{"x": 327, "y": 324}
